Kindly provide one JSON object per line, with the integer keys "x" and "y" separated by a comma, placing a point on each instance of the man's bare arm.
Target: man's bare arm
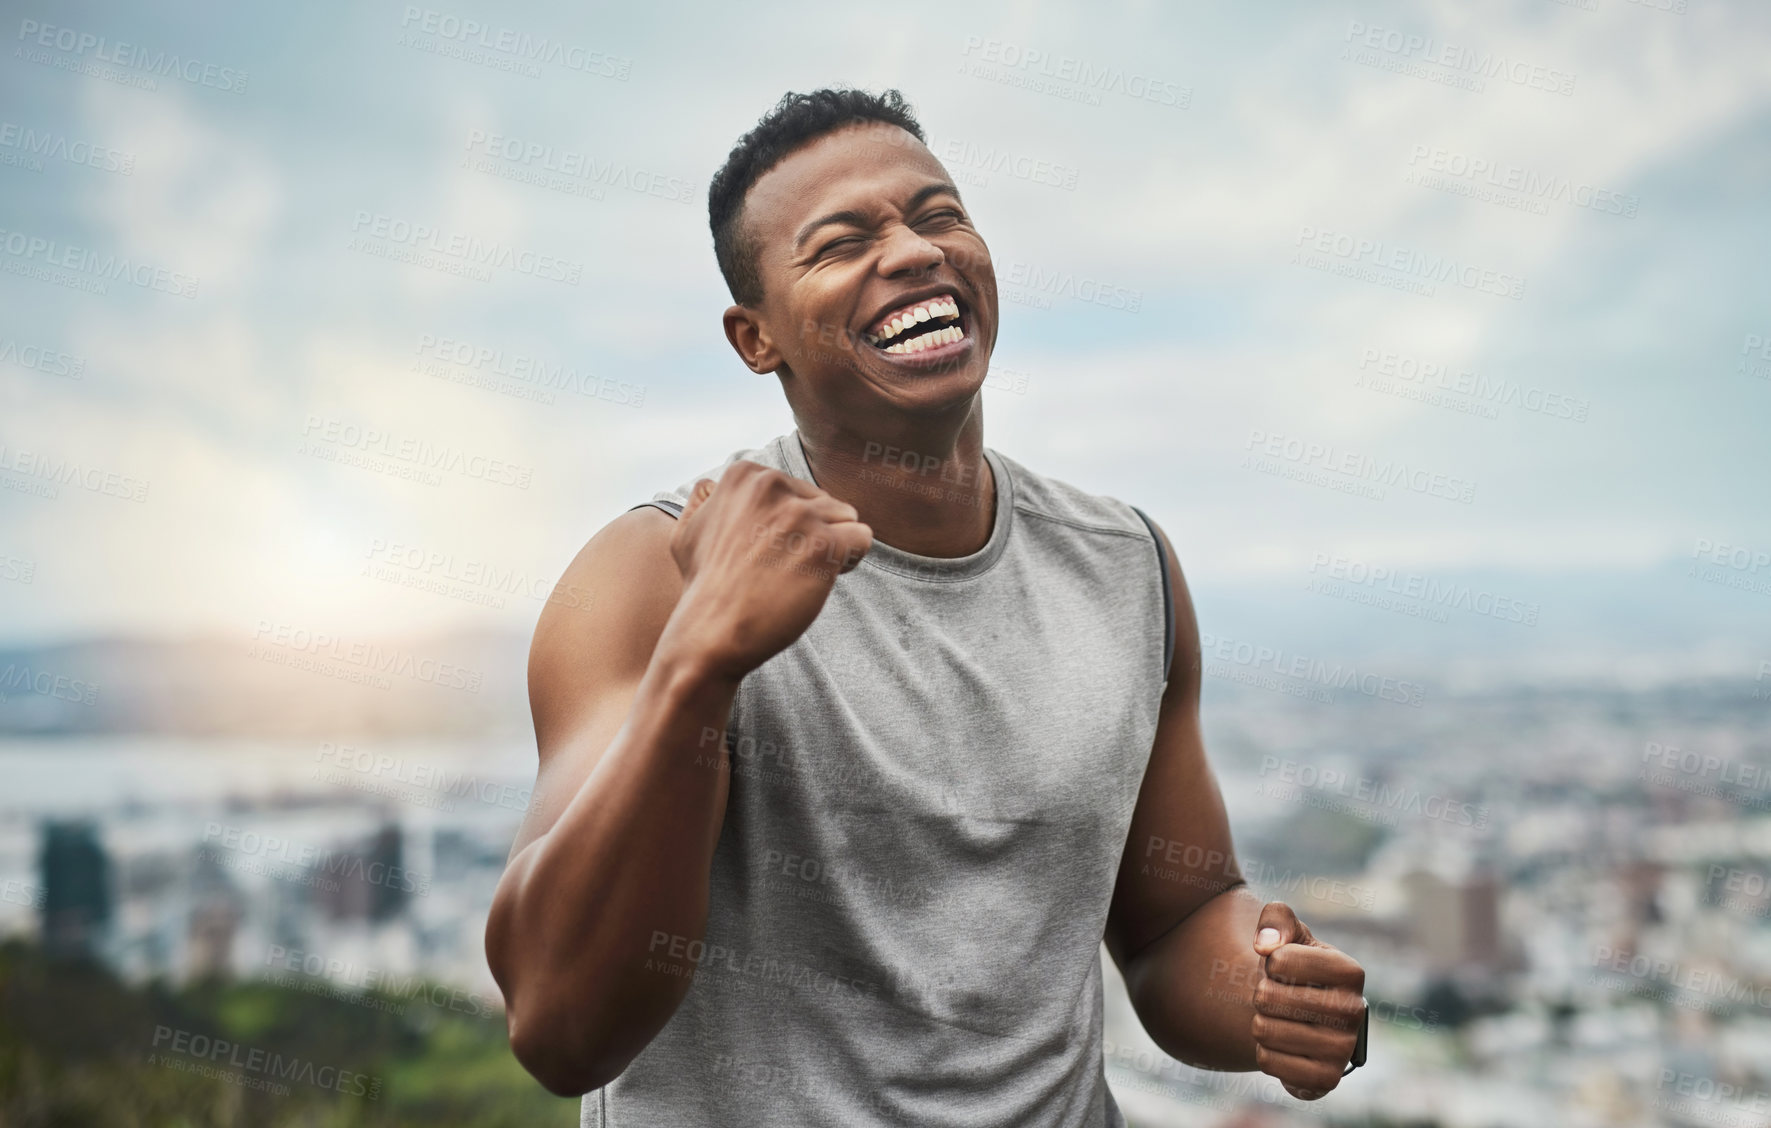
{"x": 1211, "y": 987}
{"x": 631, "y": 792}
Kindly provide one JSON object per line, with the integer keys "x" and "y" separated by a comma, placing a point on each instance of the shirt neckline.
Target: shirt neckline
{"x": 935, "y": 569}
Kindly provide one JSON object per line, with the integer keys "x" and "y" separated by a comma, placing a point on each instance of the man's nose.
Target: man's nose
{"x": 906, "y": 252}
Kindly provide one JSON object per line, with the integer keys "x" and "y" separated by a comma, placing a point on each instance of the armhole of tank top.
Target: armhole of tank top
{"x": 734, "y": 724}
{"x": 1168, "y": 595}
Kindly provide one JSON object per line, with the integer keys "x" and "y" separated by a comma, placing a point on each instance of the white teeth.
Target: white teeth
{"x": 945, "y": 308}
{"x": 933, "y": 340}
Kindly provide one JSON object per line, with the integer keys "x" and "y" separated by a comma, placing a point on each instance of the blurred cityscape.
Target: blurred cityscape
{"x": 1559, "y": 892}
{"x": 1435, "y": 337}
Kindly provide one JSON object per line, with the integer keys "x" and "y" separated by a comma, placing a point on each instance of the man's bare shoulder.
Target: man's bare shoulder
{"x": 598, "y": 634}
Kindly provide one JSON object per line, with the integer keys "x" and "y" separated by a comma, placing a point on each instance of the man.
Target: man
{"x": 813, "y": 850}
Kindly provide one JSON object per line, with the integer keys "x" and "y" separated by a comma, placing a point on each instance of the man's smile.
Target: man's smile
{"x": 929, "y": 328}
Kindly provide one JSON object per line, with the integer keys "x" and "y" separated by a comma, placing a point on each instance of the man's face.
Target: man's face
{"x": 875, "y": 284}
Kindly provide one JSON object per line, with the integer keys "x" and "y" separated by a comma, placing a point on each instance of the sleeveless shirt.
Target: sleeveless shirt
{"x": 930, "y": 792}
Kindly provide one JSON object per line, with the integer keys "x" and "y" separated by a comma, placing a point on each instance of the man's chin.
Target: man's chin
{"x": 932, "y": 390}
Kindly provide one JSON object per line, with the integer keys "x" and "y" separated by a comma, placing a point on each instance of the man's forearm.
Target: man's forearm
{"x": 581, "y": 907}
{"x": 1193, "y": 987}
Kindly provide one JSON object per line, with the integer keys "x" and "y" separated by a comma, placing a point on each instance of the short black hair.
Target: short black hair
{"x": 796, "y": 120}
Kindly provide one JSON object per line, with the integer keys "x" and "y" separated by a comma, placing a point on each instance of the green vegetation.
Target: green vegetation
{"x": 79, "y": 1048}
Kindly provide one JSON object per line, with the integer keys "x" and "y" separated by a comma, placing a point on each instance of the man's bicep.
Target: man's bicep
{"x": 1178, "y": 852}
{"x": 590, "y": 652}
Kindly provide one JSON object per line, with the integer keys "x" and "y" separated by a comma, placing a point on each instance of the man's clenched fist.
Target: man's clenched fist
{"x": 759, "y": 553}
{"x": 1309, "y": 1005}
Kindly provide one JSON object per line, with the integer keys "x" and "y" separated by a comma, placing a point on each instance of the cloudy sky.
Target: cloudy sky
{"x": 1471, "y": 297}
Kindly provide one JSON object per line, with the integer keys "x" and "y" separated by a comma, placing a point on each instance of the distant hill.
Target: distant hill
{"x": 295, "y": 686}
{"x": 1448, "y": 630}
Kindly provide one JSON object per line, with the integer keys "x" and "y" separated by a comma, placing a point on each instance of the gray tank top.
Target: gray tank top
{"x": 929, "y": 799}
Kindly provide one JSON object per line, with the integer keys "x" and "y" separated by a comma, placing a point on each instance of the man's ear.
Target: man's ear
{"x": 751, "y": 341}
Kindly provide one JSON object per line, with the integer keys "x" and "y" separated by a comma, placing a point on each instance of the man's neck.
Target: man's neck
{"x": 925, "y": 489}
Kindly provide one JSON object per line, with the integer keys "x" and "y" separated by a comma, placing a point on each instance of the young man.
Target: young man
{"x": 813, "y": 850}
